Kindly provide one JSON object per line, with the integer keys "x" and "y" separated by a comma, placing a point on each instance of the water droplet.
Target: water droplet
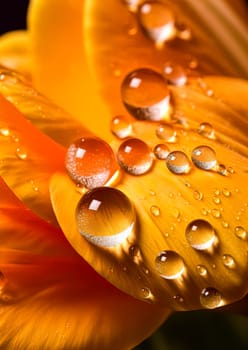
{"x": 200, "y": 234}
{"x": 134, "y": 156}
{"x": 4, "y": 131}
{"x": 202, "y": 270}
{"x": 193, "y": 63}
{"x": 207, "y": 130}
{"x": 241, "y": 233}
{"x": 91, "y": 162}
{"x": 217, "y": 200}
{"x": 178, "y": 163}
{"x": 145, "y": 94}
{"x": 228, "y": 260}
{"x": 178, "y": 298}
{"x": 161, "y": 151}
{"x": 204, "y": 211}
{"x": 225, "y": 224}
{"x": 155, "y": 211}
{"x": 226, "y": 192}
{"x": 197, "y": 195}
{"x": 216, "y": 213}
{"x": 169, "y": 264}
{"x": 222, "y": 170}
{"x": 121, "y": 127}
{"x": 21, "y": 153}
{"x": 230, "y": 170}
{"x": 146, "y": 293}
{"x": 210, "y": 298}
{"x": 105, "y": 216}
{"x": 132, "y": 4}
{"x": 166, "y": 132}
{"x": 183, "y": 31}
{"x": 174, "y": 74}
{"x": 204, "y": 157}
{"x": 157, "y": 20}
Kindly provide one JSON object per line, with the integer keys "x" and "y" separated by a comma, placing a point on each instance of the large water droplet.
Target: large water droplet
{"x": 241, "y": 233}
{"x": 161, "y": 151}
{"x": 166, "y": 132}
{"x": 121, "y": 127}
{"x": 200, "y": 234}
{"x": 157, "y": 21}
{"x": 169, "y": 264}
{"x": 204, "y": 157}
{"x": 175, "y": 74}
{"x": 178, "y": 163}
{"x": 210, "y": 298}
{"x": 90, "y": 162}
{"x": 207, "y": 130}
{"x": 105, "y": 216}
{"x": 146, "y": 96}
{"x": 134, "y": 156}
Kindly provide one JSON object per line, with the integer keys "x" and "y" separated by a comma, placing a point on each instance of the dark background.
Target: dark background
{"x": 183, "y": 331}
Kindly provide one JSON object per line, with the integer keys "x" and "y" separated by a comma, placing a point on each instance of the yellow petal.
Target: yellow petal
{"x": 15, "y": 52}
{"x": 53, "y": 298}
{"x": 28, "y": 158}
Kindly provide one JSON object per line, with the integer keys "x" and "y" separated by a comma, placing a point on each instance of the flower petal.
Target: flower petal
{"x": 28, "y": 158}
{"x": 51, "y": 298}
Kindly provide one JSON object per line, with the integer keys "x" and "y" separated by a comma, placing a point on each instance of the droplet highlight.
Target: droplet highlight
{"x": 204, "y": 157}
{"x": 135, "y": 157}
{"x": 200, "y": 234}
{"x": 105, "y": 217}
{"x": 210, "y": 298}
{"x": 90, "y": 162}
{"x": 146, "y": 95}
{"x": 178, "y": 162}
{"x": 169, "y": 265}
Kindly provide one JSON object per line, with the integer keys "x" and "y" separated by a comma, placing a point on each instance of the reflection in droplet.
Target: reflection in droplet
{"x": 241, "y": 233}
{"x": 210, "y": 298}
{"x": 166, "y": 132}
{"x": 228, "y": 261}
{"x": 155, "y": 210}
{"x": 145, "y": 94}
{"x": 200, "y": 234}
{"x": 91, "y": 162}
{"x": 161, "y": 151}
{"x": 207, "y": 130}
{"x": 204, "y": 157}
{"x": 169, "y": 264}
{"x": 202, "y": 270}
{"x": 157, "y": 20}
{"x": 105, "y": 217}
{"x": 178, "y": 163}
{"x": 21, "y": 153}
{"x": 121, "y": 127}
{"x": 175, "y": 74}
{"x": 134, "y": 156}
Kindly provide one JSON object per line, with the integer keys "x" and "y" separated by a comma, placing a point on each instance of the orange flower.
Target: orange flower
{"x": 171, "y": 231}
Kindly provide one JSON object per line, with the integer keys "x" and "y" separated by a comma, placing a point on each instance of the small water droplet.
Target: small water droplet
{"x": 157, "y": 20}
{"x": 174, "y": 74}
{"x": 204, "y": 211}
{"x": 134, "y": 157}
{"x": 90, "y": 162}
{"x": 183, "y": 31}
{"x": 228, "y": 260}
{"x": 4, "y": 131}
{"x": 197, "y": 195}
{"x": 200, "y": 234}
{"x": 222, "y": 170}
{"x": 146, "y": 293}
{"x": 204, "y": 157}
{"x": 21, "y": 153}
{"x": 216, "y": 213}
{"x": 169, "y": 264}
{"x": 216, "y": 200}
{"x": 105, "y": 216}
{"x": 193, "y": 63}
{"x": 202, "y": 270}
{"x": 155, "y": 211}
{"x": 241, "y": 233}
{"x": 207, "y": 130}
{"x": 166, "y": 132}
{"x": 121, "y": 127}
{"x": 145, "y": 94}
{"x": 210, "y": 298}
{"x": 225, "y": 224}
{"x": 178, "y": 163}
{"x": 161, "y": 151}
